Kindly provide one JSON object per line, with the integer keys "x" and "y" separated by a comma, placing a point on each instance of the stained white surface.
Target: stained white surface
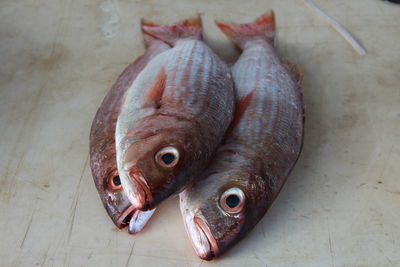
{"x": 340, "y": 207}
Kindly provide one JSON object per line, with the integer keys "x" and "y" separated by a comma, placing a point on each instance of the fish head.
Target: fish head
{"x": 114, "y": 198}
{"x": 219, "y": 210}
{"x": 149, "y": 167}
{"x": 108, "y": 184}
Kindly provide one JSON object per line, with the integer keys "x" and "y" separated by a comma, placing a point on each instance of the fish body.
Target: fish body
{"x": 173, "y": 117}
{"x": 102, "y": 145}
{"x": 261, "y": 147}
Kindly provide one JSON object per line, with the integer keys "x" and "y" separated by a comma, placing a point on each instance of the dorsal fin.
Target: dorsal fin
{"x": 294, "y": 70}
{"x": 241, "y": 107}
{"x": 152, "y": 97}
{"x": 298, "y": 77}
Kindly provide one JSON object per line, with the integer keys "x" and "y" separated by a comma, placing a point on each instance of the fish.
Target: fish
{"x": 173, "y": 117}
{"x": 103, "y": 160}
{"x": 260, "y": 149}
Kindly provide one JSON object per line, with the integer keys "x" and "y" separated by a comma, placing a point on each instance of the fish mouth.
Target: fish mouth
{"x": 142, "y": 194}
{"x": 124, "y": 218}
{"x": 135, "y": 219}
{"x": 139, "y": 220}
{"x": 203, "y": 241}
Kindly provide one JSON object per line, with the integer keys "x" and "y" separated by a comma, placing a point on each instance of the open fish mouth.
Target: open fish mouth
{"x": 124, "y": 218}
{"x": 135, "y": 219}
{"x": 203, "y": 241}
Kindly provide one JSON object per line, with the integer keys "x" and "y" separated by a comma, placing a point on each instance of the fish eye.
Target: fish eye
{"x": 115, "y": 182}
{"x": 167, "y": 157}
{"x": 232, "y": 200}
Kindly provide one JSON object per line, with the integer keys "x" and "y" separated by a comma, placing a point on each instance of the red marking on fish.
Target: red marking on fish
{"x": 241, "y": 107}
{"x": 153, "y": 96}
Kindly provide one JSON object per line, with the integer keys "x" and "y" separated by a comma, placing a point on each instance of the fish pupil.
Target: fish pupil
{"x": 232, "y": 201}
{"x": 116, "y": 180}
{"x": 168, "y": 158}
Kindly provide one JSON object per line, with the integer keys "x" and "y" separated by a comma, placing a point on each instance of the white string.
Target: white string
{"x": 339, "y": 28}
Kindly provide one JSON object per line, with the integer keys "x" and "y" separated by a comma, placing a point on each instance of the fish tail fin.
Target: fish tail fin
{"x": 190, "y": 28}
{"x": 148, "y": 39}
{"x": 262, "y": 28}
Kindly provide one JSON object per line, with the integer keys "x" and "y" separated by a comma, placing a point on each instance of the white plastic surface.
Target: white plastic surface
{"x": 340, "y": 207}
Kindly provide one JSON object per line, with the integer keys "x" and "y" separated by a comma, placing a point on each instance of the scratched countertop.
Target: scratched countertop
{"x": 340, "y": 206}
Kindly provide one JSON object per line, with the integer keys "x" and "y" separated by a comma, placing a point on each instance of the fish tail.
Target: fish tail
{"x": 188, "y": 29}
{"x": 263, "y": 27}
{"x": 148, "y": 39}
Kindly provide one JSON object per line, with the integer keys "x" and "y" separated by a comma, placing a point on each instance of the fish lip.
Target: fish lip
{"x": 135, "y": 219}
{"x": 125, "y": 215}
{"x": 139, "y": 220}
{"x": 144, "y": 192}
{"x": 209, "y": 250}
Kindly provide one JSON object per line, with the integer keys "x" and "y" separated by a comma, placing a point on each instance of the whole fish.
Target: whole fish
{"x": 262, "y": 145}
{"x": 174, "y": 116}
{"x": 102, "y": 145}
